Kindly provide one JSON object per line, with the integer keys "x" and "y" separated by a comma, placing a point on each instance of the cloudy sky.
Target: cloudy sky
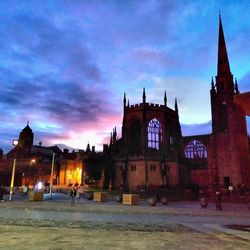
{"x": 64, "y": 65}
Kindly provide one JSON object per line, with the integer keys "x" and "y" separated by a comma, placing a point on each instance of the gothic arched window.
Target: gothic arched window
{"x": 195, "y": 150}
{"x": 154, "y": 134}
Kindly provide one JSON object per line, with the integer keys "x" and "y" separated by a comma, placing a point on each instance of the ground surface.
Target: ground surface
{"x": 54, "y": 224}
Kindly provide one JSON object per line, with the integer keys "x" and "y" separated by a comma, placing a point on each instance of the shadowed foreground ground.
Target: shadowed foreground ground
{"x": 32, "y": 237}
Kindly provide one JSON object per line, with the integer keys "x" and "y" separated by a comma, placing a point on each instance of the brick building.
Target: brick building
{"x": 34, "y": 162}
{"x": 152, "y": 151}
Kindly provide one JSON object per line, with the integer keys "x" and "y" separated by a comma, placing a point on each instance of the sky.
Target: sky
{"x": 65, "y": 65}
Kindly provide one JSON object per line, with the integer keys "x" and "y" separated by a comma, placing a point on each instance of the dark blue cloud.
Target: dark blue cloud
{"x": 67, "y": 63}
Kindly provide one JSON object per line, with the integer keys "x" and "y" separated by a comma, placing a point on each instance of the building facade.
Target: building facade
{"x": 152, "y": 151}
{"x": 34, "y": 163}
{"x": 148, "y": 152}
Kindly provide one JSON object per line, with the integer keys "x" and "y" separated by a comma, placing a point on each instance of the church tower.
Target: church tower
{"x": 230, "y": 162}
{"x": 25, "y": 141}
{"x": 148, "y": 152}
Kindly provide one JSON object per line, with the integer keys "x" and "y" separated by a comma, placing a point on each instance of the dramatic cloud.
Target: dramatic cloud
{"x": 66, "y": 64}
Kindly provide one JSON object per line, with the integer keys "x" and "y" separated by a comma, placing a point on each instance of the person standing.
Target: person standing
{"x": 231, "y": 188}
{"x": 77, "y": 193}
{"x": 218, "y": 199}
{"x": 1, "y": 193}
{"x": 73, "y": 196}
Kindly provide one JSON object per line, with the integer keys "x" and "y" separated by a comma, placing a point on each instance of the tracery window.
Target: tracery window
{"x": 154, "y": 134}
{"x": 195, "y": 150}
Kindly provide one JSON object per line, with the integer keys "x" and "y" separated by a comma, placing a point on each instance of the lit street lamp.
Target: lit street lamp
{"x": 51, "y": 177}
{"x": 32, "y": 161}
{"x": 27, "y": 176}
{"x": 14, "y": 143}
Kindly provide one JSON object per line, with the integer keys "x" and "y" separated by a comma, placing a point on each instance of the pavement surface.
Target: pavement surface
{"x": 234, "y": 219}
{"x": 58, "y": 208}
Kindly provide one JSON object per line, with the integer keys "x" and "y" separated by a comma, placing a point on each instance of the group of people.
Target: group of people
{"x": 218, "y": 200}
{"x": 74, "y": 193}
{"x": 242, "y": 189}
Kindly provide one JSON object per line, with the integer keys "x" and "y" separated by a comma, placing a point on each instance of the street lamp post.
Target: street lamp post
{"x": 31, "y": 172}
{"x": 51, "y": 176}
{"x": 14, "y": 143}
{"x": 12, "y": 178}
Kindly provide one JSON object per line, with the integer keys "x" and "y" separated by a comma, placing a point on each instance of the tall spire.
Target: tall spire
{"x": 176, "y": 105}
{"x": 212, "y": 83}
{"x": 115, "y": 134}
{"x": 114, "y": 137}
{"x": 236, "y": 87}
{"x": 124, "y": 100}
{"x": 144, "y": 96}
{"x": 88, "y": 147}
{"x": 111, "y": 139}
{"x": 212, "y": 90}
{"x": 165, "y": 98}
{"x": 223, "y": 63}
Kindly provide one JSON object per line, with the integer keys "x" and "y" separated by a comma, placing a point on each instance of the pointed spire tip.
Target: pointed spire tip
{"x": 144, "y": 95}
{"x": 223, "y": 66}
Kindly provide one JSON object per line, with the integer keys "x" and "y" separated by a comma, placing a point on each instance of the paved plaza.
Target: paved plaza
{"x": 55, "y": 224}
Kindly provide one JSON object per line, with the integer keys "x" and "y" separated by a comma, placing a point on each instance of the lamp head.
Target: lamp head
{"x": 15, "y": 142}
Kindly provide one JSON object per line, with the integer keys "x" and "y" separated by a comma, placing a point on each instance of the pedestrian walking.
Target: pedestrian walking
{"x": 25, "y": 190}
{"x": 218, "y": 199}
{"x": 73, "y": 196}
{"x": 1, "y": 193}
{"x": 231, "y": 188}
{"x": 77, "y": 194}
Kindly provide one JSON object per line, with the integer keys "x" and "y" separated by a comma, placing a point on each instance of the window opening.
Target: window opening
{"x": 133, "y": 168}
{"x": 154, "y": 134}
{"x": 171, "y": 140}
{"x": 152, "y": 168}
{"x": 195, "y": 150}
